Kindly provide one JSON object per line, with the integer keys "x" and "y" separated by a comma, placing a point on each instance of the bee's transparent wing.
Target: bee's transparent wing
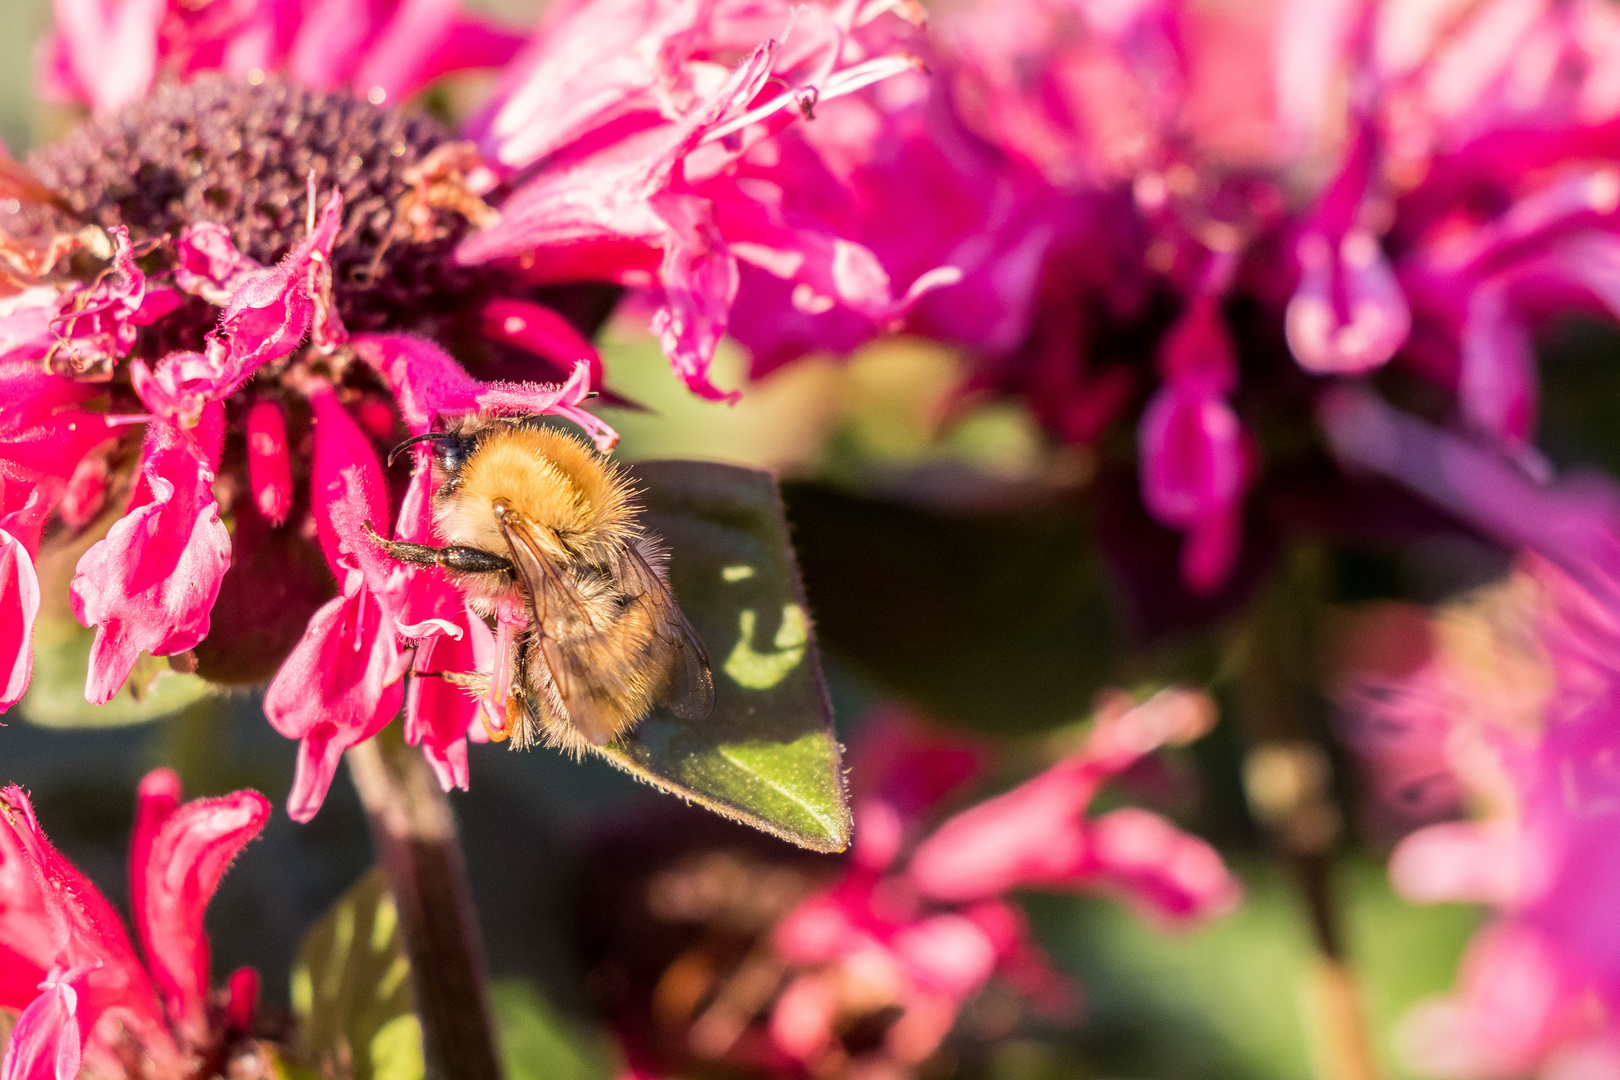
{"x": 589, "y": 685}
{"x": 689, "y": 691}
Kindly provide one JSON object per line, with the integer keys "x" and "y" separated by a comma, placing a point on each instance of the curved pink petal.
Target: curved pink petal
{"x": 271, "y": 310}
{"x": 111, "y": 47}
{"x": 428, "y": 384}
{"x": 1458, "y": 862}
{"x": 340, "y": 686}
{"x": 699, "y": 276}
{"x": 48, "y": 1041}
{"x": 86, "y": 933}
{"x": 1191, "y": 448}
{"x": 347, "y": 492}
{"x": 423, "y": 40}
{"x": 19, "y": 604}
{"x": 180, "y": 869}
{"x": 151, "y": 583}
{"x": 1164, "y": 870}
{"x": 1498, "y": 387}
{"x": 541, "y": 331}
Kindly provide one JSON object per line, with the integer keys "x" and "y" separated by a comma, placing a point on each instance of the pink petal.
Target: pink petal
{"x": 1457, "y": 862}
{"x": 1371, "y": 324}
{"x": 151, "y": 583}
{"x": 542, "y": 332}
{"x": 1191, "y": 448}
{"x": 948, "y": 954}
{"x": 339, "y": 687}
{"x": 331, "y": 40}
{"x": 423, "y": 40}
{"x": 111, "y": 49}
{"x": 607, "y": 198}
{"x": 272, "y": 310}
{"x": 19, "y": 604}
{"x": 48, "y": 1041}
{"x": 86, "y": 933}
{"x": 347, "y": 492}
{"x": 1498, "y": 386}
{"x": 181, "y": 868}
{"x": 207, "y": 263}
{"x": 269, "y": 464}
{"x": 428, "y": 385}
{"x": 802, "y": 1019}
{"x": 1170, "y": 873}
{"x": 699, "y": 276}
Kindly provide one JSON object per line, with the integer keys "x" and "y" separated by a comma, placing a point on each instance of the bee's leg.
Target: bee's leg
{"x": 467, "y": 560}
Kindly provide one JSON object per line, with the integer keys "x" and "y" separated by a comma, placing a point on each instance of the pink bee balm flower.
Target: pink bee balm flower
{"x": 920, "y": 920}
{"x": 67, "y": 962}
{"x": 1039, "y": 835}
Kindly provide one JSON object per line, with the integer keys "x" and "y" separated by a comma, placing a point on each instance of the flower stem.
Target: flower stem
{"x": 414, "y": 833}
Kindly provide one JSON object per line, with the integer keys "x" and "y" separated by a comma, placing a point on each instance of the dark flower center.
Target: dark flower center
{"x": 240, "y": 155}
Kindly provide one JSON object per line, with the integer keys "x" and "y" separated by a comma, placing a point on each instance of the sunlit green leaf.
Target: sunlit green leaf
{"x": 351, "y": 990}
{"x": 766, "y": 755}
{"x": 539, "y": 1043}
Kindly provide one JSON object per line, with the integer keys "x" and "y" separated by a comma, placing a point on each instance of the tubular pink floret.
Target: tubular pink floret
{"x": 269, "y": 463}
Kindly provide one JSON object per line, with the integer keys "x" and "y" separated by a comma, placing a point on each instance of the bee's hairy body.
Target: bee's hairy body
{"x": 532, "y": 516}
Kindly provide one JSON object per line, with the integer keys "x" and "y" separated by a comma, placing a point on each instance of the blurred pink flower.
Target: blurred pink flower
{"x": 1038, "y": 834}
{"x": 1537, "y": 763}
{"x": 109, "y": 53}
{"x": 928, "y": 932}
{"x": 66, "y": 960}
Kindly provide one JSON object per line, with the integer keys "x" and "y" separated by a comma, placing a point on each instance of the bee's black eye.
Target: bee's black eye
{"x": 451, "y": 454}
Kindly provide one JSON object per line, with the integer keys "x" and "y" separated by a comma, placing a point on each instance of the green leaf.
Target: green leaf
{"x": 539, "y": 1043}
{"x": 351, "y": 990}
{"x": 766, "y": 755}
{"x": 56, "y": 694}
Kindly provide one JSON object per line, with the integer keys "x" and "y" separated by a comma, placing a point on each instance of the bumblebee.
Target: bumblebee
{"x": 533, "y": 516}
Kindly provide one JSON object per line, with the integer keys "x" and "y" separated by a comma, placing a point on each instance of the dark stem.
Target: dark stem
{"x": 414, "y": 833}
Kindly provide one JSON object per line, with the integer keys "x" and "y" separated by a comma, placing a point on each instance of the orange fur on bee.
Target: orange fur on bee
{"x": 553, "y": 480}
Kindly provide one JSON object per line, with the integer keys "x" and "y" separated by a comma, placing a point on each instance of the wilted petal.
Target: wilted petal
{"x": 269, "y": 464}
{"x": 272, "y": 310}
{"x": 19, "y": 604}
{"x": 178, "y": 859}
{"x": 207, "y": 263}
{"x": 1363, "y": 331}
{"x": 151, "y": 583}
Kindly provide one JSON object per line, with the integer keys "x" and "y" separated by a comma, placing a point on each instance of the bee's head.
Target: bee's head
{"x": 451, "y": 450}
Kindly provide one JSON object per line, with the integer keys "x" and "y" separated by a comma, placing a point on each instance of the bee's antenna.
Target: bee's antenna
{"x": 432, "y": 436}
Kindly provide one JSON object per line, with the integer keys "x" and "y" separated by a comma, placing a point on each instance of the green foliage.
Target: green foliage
{"x": 766, "y": 755}
{"x": 538, "y": 1043}
{"x": 351, "y": 991}
{"x": 1228, "y": 1001}
{"x": 56, "y": 694}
